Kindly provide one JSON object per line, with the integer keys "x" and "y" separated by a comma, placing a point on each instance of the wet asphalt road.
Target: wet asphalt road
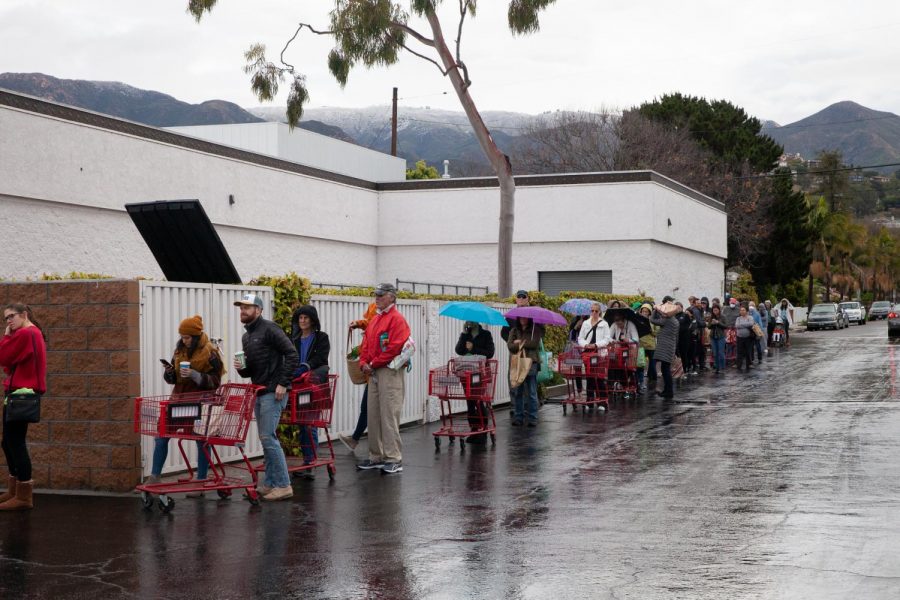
{"x": 779, "y": 484}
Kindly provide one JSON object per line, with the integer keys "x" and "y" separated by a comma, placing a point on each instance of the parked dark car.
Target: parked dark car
{"x": 894, "y": 322}
{"x": 827, "y": 315}
{"x": 879, "y": 310}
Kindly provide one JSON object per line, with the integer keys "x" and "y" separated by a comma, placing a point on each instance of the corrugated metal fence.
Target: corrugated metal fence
{"x": 164, "y": 305}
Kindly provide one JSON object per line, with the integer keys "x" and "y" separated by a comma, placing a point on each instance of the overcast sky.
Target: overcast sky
{"x": 778, "y": 60}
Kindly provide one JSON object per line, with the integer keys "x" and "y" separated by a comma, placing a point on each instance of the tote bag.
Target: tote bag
{"x": 519, "y": 366}
{"x": 545, "y": 374}
{"x": 353, "y": 370}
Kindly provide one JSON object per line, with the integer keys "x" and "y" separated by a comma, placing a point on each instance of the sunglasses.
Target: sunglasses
{"x": 594, "y": 310}
{"x": 11, "y": 316}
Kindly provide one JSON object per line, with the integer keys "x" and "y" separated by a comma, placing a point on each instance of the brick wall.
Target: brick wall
{"x": 85, "y": 439}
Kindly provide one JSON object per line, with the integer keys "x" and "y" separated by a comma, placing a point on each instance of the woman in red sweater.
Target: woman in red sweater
{"x": 23, "y": 356}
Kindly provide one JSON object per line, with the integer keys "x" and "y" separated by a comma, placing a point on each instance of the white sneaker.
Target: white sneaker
{"x": 279, "y": 493}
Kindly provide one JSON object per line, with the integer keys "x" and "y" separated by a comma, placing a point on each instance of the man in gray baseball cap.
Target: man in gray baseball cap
{"x": 250, "y": 300}
{"x": 271, "y": 360}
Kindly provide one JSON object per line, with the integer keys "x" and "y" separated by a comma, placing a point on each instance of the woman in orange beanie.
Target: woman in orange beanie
{"x": 205, "y": 373}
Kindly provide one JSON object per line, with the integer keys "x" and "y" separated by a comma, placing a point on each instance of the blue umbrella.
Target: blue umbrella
{"x": 473, "y": 311}
{"x": 579, "y": 306}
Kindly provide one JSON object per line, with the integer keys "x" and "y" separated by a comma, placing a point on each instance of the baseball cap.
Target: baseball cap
{"x": 385, "y": 288}
{"x": 732, "y": 301}
{"x": 250, "y": 300}
{"x": 522, "y": 294}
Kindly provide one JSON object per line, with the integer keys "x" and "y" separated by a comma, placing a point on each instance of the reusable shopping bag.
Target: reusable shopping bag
{"x": 545, "y": 374}
{"x": 353, "y": 370}
{"x": 519, "y": 365}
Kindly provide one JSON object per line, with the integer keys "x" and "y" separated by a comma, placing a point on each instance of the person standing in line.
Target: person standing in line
{"x": 771, "y": 322}
{"x": 574, "y": 330}
{"x": 685, "y": 347}
{"x": 362, "y": 421}
{"x": 385, "y": 337}
{"x": 648, "y": 343}
{"x": 313, "y": 347}
{"x": 701, "y": 311}
{"x": 763, "y": 342}
{"x": 730, "y": 313}
{"x": 522, "y": 299}
{"x": 23, "y": 356}
{"x": 757, "y": 348}
{"x": 594, "y": 335}
{"x": 717, "y": 338}
{"x": 744, "y": 327}
{"x": 666, "y": 342}
{"x": 785, "y": 310}
{"x": 270, "y": 360}
{"x": 476, "y": 341}
{"x": 526, "y": 335}
{"x": 205, "y": 373}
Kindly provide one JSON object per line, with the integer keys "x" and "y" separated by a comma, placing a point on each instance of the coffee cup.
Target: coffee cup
{"x": 184, "y": 366}
{"x": 240, "y": 359}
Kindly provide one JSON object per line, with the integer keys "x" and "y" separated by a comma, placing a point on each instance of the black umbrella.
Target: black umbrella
{"x": 640, "y": 321}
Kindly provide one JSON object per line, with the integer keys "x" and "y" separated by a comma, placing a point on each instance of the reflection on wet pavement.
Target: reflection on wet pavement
{"x": 778, "y": 484}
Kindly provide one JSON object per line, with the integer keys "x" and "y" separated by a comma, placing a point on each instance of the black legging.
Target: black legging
{"x": 17, "y": 459}
{"x": 745, "y": 347}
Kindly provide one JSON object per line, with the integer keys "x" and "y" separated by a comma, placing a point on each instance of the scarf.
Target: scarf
{"x": 199, "y": 359}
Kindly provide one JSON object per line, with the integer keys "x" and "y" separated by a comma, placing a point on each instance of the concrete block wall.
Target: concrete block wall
{"x": 85, "y": 439}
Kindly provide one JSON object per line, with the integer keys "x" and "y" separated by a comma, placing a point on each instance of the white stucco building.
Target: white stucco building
{"x": 66, "y": 174}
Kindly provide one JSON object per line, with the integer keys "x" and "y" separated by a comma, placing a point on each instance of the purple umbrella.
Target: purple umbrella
{"x": 538, "y": 315}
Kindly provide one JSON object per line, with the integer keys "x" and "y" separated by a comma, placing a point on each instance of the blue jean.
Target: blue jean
{"x": 309, "y": 440}
{"x": 363, "y": 420}
{"x": 718, "y": 352}
{"x": 268, "y": 412}
{"x": 529, "y": 387}
{"x": 161, "y": 452}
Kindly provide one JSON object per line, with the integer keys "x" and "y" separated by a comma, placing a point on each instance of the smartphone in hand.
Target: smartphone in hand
{"x": 166, "y": 363}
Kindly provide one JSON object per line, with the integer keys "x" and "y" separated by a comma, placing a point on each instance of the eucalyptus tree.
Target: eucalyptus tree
{"x": 376, "y": 33}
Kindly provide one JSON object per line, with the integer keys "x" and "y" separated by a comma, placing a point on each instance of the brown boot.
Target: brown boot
{"x": 10, "y": 490}
{"x": 23, "y": 500}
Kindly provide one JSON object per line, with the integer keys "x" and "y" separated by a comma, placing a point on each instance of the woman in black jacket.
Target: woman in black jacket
{"x": 474, "y": 340}
{"x": 313, "y": 347}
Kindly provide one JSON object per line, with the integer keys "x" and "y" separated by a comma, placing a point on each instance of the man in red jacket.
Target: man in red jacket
{"x": 386, "y": 334}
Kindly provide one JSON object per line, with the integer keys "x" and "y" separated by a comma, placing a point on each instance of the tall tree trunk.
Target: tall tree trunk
{"x": 809, "y": 292}
{"x": 499, "y": 161}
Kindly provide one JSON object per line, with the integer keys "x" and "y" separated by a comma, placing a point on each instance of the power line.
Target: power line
{"x": 820, "y": 172}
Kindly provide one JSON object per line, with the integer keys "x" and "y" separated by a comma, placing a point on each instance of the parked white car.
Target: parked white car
{"x": 855, "y": 312}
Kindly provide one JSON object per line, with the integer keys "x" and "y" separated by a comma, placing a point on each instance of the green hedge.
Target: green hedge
{"x": 292, "y": 290}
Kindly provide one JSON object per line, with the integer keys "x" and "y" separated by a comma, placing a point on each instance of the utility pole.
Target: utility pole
{"x": 394, "y": 125}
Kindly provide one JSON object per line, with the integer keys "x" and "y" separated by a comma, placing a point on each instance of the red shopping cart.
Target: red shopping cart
{"x": 730, "y": 345}
{"x": 214, "y": 418}
{"x": 593, "y": 369}
{"x": 310, "y": 404}
{"x": 622, "y": 377}
{"x": 470, "y": 379}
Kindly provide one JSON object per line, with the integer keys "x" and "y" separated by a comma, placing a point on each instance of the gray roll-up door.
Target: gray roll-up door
{"x": 554, "y": 282}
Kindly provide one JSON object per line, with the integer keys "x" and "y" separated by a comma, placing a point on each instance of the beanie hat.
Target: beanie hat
{"x": 191, "y": 326}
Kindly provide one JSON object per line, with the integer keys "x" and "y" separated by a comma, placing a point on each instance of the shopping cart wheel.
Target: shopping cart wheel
{"x": 166, "y": 504}
{"x": 146, "y": 500}
{"x": 462, "y": 444}
{"x": 437, "y": 444}
{"x": 252, "y": 496}
{"x": 493, "y": 440}
{"x": 224, "y": 494}
{"x": 452, "y": 440}
{"x": 564, "y": 410}
{"x": 331, "y": 472}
